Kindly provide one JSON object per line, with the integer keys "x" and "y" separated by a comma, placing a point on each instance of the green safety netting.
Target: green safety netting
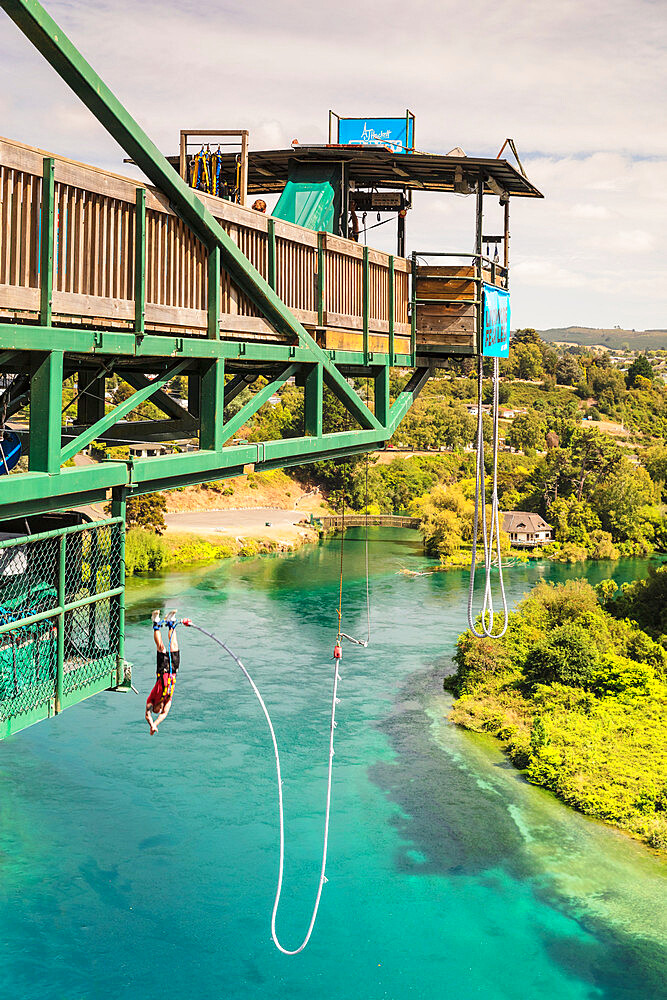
{"x": 309, "y": 198}
{"x": 29, "y": 586}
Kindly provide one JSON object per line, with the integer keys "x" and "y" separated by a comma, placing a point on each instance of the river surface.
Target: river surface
{"x": 138, "y": 867}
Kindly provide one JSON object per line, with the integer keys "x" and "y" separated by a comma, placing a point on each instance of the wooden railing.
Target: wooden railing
{"x": 352, "y": 297}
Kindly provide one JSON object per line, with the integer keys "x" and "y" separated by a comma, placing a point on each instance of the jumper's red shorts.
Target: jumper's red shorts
{"x": 162, "y": 692}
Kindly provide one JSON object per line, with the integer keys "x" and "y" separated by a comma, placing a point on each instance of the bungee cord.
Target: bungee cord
{"x": 325, "y": 842}
{"x": 339, "y": 610}
{"x": 492, "y": 533}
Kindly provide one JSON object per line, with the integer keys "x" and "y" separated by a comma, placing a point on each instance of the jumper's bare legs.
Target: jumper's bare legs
{"x": 161, "y": 717}
{"x": 171, "y": 622}
{"x": 172, "y": 640}
{"x": 157, "y": 637}
{"x": 149, "y": 720}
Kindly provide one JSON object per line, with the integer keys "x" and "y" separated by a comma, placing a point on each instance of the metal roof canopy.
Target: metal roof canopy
{"x": 379, "y": 167}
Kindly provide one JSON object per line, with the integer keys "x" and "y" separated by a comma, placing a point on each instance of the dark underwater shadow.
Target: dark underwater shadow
{"x": 456, "y": 826}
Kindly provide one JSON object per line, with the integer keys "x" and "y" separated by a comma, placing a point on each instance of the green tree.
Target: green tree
{"x": 568, "y": 656}
{"x": 526, "y": 360}
{"x": 527, "y": 432}
{"x": 621, "y": 500}
{"x": 147, "y": 511}
{"x": 569, "y": 371}
{"x": 573, "y": 520}
{"x": 655, "y": 461}
{"x": 445, "y": 520}
{"x": 641, "y": 366}
{"x": 594, "y": 456}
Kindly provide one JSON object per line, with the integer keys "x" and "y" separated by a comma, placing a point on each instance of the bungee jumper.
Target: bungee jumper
{"x": 168, "y": 663}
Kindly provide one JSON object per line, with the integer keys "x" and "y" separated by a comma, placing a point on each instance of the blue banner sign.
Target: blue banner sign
{"x": 396, "y": 133}
{"x": 496, "y": 328}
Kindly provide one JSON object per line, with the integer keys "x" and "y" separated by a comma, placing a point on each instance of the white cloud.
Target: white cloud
{"x": 587, "y": 211}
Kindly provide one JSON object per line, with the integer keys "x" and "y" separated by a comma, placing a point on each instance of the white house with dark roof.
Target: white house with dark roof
{"x": 525, "y": 529}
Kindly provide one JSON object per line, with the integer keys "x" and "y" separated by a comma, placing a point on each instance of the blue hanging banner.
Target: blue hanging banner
{"x": 10, "y": 452}
{"x": 496, "y": 327}
{"x": 395, "y": 133}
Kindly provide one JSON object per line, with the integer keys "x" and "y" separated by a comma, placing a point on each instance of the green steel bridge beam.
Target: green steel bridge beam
{"x": 111, "y": 418}
{"x": 167, "y": 404}
{"x": 58, "y": 50}
{"x": 117, "y": 344}
{"x": 262, "y": 396}
{"x": 33, "y": 492}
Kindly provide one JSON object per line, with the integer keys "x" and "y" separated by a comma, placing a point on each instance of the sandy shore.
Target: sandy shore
{"x": 261, "y": 522}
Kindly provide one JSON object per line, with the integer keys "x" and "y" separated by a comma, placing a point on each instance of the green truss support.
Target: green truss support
{"x": 120, "y": 411}
{"x": 313, "y": 388}
{"x": 46, "y": 414}
{"x": 262, "y": 396}
{"x": 381, "y": 385}
{"x": 212, "y": 406}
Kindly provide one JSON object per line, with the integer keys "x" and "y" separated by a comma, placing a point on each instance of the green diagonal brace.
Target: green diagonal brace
{"x": 261, "y": 397}
{"x": 49, "y": 39}
{"x": 406, "y": 398}
{"x": 118, "y": 412}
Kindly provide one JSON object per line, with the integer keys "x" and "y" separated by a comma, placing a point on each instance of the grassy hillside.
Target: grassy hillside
{"x": 586, "y": 336}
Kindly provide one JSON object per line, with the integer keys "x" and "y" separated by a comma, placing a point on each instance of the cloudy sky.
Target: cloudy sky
{"x": 581, "y": 87}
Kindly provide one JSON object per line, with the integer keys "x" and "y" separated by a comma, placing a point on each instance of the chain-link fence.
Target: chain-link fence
{"x": 60, "y": 617}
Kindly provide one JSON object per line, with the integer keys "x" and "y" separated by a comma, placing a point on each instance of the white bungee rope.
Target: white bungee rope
{"x": 325, "y": 844}
{"x": 480, "y": 506}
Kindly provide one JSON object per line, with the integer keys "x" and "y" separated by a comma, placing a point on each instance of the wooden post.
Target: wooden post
{"x": 313, "y": 388}
{"x": 479, "y": 224}
{"x": 271, "y": 233}
{"x": 140, "y": 263}
{"x": 212, "y": 406}
{"x": 183, "y": 157}
{"x": 46, "y": 249}
{"x": 321, "y": 257}
{"x": 46, "y": 400}
{"x": 365, "y": 301}
{"x": 390, "y": 309}
{"x": 244, "y": 167}
{"x": 506, "y": 240}
{"x": 214, "y": 293}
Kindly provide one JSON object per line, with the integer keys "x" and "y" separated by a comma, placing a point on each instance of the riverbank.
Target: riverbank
{"x": 578, "y": 700}
{"x": 148, "y": 552}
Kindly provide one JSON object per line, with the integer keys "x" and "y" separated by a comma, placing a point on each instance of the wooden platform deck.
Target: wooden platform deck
{"x": 342, "y": 292}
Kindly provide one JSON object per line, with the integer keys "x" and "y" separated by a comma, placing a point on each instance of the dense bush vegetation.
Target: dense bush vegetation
{"x": 579, "y": 697}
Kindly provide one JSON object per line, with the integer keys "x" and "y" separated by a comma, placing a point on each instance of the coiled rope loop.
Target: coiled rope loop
{"x": 325, "y": 844}
{"x": 493, "y": 532}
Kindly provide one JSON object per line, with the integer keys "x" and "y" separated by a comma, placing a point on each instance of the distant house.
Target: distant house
{"x": 525, "y": 529}
{"x": 147, "y": 449}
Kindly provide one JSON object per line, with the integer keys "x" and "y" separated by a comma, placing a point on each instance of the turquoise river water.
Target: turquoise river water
{"x": 138, "y": 867}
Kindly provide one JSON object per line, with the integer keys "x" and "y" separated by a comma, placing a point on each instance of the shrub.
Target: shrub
{"x": 568, "y": 656}
{"x": 145, "y": 551}
{"x": 475, "y": 659}
{"x": 618, "y": 675}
